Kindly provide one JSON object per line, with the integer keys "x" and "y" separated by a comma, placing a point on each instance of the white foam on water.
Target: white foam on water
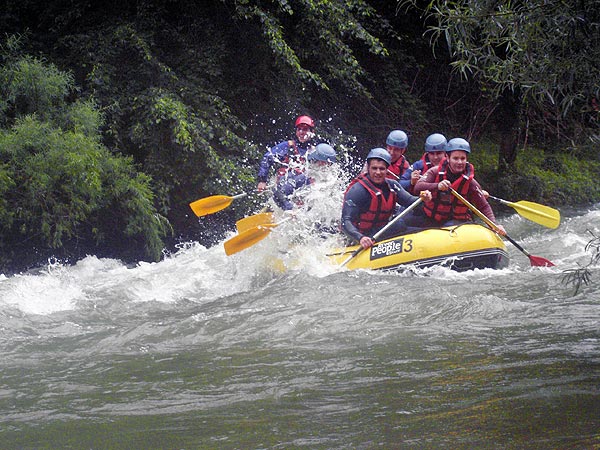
{"x": 299, "y": 246}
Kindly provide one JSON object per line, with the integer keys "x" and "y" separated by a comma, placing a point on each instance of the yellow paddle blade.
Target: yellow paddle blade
{"x": 542, "y": 214}
{"x": 254, "y": 221}
{"x": 247, "y": 239}
{"x": 210, "y": 205}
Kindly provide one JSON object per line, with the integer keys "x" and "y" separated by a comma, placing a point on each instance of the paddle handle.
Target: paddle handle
{"x": 276, "y": 224}
{"x": 474, "y": 209}
{"x": 354, "y": 253}
{"x": 412, "y": 206}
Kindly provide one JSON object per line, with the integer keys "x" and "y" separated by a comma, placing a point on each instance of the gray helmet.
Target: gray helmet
{"x": 380, "y": 153}
{"x": 397, "y": 138}
{"x": 323, "y": 152}
{"x": 458, "y": 144}
{"x": 435, "y": 142}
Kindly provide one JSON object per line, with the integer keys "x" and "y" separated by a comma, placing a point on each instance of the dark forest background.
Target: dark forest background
{"x": 115, "y": 115}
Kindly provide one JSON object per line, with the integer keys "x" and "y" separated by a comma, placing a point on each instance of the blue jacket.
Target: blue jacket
{"x": 286, "y": 186}
{"x": 417, "y": 165}
{"x": 279, "y": 154}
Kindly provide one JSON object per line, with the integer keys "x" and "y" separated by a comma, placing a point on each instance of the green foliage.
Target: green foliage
{"x": 544, "y": 53}
{"x": 483, "y": 154}
{"x": 565, "y": 177}
{"x": 186, "y": 93}
{"x": 33, "y": 86}
{"x": 183, "y": 134}
{"x": 192, "y": 93}
{"x": 6, "y": 185}
{"x": 55, "y": 175}
{"x": 82, "y": 116}
{"x": 128, "y": 192}
{"x": 320, "y": 37}
{"x": 58, "y": 185}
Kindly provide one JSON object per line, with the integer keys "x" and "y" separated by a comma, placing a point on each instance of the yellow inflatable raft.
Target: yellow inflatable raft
{"x": 463, "y": 247}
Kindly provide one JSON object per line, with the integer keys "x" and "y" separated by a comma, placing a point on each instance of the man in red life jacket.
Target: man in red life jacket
{"x": 288, "y": 154}
{"x": 396, "y": 144}
{"x": 370, "y": 201}
{"x": 455, "y": 171}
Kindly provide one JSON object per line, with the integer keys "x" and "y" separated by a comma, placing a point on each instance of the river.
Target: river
{"x": 202, "y": 350}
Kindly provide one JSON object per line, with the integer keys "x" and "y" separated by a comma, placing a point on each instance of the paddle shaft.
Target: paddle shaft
{"x": 215, "y": 203}
{"x": 472, "y": 207}
{"x": 535, "y": 260}
{"x": 504, "y": 202}
{"x": 384, "y": 229}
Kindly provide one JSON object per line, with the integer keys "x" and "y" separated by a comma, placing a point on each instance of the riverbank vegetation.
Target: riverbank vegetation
{"x": 114, "y": 117}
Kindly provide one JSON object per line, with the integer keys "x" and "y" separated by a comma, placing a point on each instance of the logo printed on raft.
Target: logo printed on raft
{"x": 390, "y": 248}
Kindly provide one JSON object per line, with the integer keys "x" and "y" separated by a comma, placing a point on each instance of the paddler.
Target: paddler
{"x": 289, "y": 155}
{"x": 455, "y": 172}
{"x": 435, "y": 152}
{"x": 396, "y": 144}
{"x": 323, "y": 155}
{"x": 371, "y": 200}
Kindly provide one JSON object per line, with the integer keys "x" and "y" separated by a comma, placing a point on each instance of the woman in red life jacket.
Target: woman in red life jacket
{"x": 454, "y": 172}
{"x": 370, "y": 201}
{"x": 288, "y": 154}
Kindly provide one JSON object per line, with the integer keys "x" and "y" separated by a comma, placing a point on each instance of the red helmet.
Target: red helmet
{"x": 305, "y": 120}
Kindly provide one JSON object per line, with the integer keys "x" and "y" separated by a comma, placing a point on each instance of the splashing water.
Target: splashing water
{"x": 274, "y": 347}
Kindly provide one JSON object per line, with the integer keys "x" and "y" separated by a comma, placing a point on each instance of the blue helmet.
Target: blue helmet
{"x": 458, "y": 144}
{"x": 397, "y": 138}
{"x": 435, "y": 142}
{"x": 380, "y": 153}
{"x": 323, "y": 152}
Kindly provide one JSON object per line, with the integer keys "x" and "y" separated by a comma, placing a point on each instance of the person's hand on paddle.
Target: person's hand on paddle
{"x": 426, "y": 196}
{"x": 500, "y": 230}
{"x": 415, "y": 176}
{"x": 262, "y": 185}
{"x": 444, "y": 185}
{"x": 366, "y": 242}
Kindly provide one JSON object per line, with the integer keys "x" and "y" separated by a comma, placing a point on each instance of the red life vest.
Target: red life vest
{"x": 294, "y": 158}
{"x": 445, "y": 206}
{"x": 426, "y": 163}
{"x": 397, "y": 168}
{"x": 380, "y": 209}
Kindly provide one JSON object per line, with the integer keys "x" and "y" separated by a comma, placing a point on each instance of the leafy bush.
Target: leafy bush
{"x": 554, "y": 177}
{"x": 61, "y": 189}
